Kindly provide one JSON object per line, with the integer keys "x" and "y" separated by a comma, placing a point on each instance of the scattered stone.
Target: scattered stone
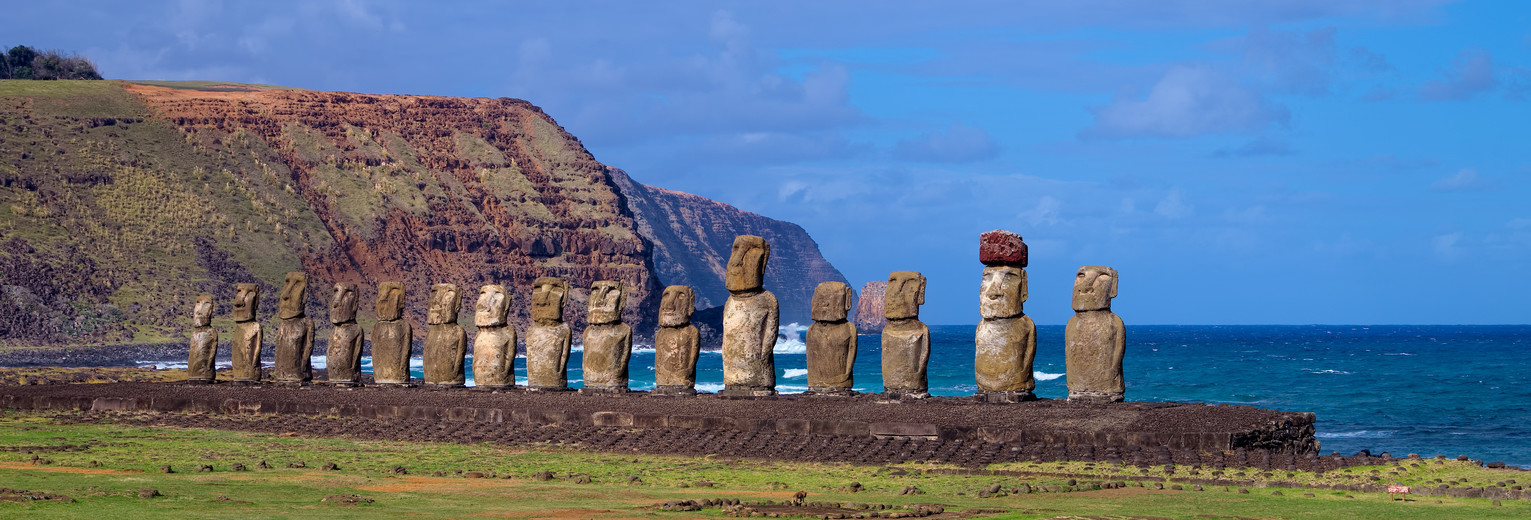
{"x": 398, "y": 470}
{"x": 263, "y": 465}
{"x": 582, "y": 479}
{"x": 634, "y": 480}
{"x": 238, "y": 466}
{"x": 1276, "y": 493}
{"x": 148, "y": 493}
{"x": 166, "y": 469}
{"x": 205, "y": 468}
{"x": 346, "y": 500}
{"x": 299, "y": 464}
{"x": 704, "y": 483}
{"x": 1243, "y": 491}
{"x": 330, "y": 466}
{"x": 543, "y": 475}
{"x": 1309, "y": 495}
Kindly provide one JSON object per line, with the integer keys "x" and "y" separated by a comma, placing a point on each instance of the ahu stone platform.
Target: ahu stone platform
{"x": 1124, "y": 427}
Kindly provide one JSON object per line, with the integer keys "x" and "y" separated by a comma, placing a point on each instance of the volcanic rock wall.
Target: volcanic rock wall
{"x": 869, "y": 318}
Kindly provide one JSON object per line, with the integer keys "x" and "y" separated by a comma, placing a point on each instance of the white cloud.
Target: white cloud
{"x": 1189, "y": 100}
{"x": 1173, "y": 206}
{"x": 1466, "y": 179}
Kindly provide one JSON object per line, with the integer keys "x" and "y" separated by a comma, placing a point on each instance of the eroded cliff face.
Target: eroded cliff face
{"x": 869, "y": 318}
{"x": 693, "y": 236}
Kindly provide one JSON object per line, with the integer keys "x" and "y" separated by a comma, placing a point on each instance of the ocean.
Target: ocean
{"x": 1448, "y": 390}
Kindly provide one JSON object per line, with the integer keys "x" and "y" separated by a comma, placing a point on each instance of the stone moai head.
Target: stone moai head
{"x": 831, "y": 301}
{"x": 294, "y": 296}
{"x": 746, "y": 265}
{"x": 446, "y": 300}
{"x": 246, "y": 301}
{"x": 676, "y": 306}
{"x": 1094, "y": 287}
{"x": 606, "y": 299}
{"x": 492, "y": 306}
{"x": 390, "y": 301}
{"x": 906, "y": 293}
{"x": 343, "y": 304}
{"x": 1002, "y": 293}
{"x": 202, "y": 312}
{"x": 548, "y": 296}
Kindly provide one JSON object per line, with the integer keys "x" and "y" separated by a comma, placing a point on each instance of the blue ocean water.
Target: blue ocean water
{"x": 1402, "y": 389}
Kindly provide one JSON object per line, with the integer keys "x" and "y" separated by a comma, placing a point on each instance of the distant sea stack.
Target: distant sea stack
{"x": 173, "y": 189}
{"x": 869, "y": 317}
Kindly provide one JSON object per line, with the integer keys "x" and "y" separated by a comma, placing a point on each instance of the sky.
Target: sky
{"x": 1295, "y": 162}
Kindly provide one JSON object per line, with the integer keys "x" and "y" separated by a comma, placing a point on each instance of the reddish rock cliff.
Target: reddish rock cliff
{"x": 869, "y": 318}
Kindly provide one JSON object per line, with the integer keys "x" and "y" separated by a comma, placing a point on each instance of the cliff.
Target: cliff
{"x": 868, "y": 317}
{"x": 126, "y": 200}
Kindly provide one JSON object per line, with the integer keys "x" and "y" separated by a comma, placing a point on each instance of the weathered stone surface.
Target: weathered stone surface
{"x": 750, "y": 320}
{"x": 494, "y": 346}
{"x": 246, "y": 301}
{"x": 343, "y": 303}
{"x": 446, "y": 343}
{"x": 548, "y": 340}
{"x": 245, "y": 350}
{"x": 905, "y": 341}
{"x": 1001, "y": 248}
{"x": 294, "y": 350}
{"x": 344, "y": 356}
{"x": 608, "y": 342}
{"x": 204, "y": 342}
{"x": 1006, "y": 340}
{"x": 831, "y": 341}
{"x": 294, "y": 296}
{"x": 391, "y": 337}
{"x": 1095, "y": 338}
{"x": 606, "y": 302}
{"x": 869, "y": 318}
{"x": 677, "y": 343}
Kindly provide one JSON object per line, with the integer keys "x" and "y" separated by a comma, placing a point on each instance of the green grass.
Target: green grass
{"x": 213, "y": 86}
{"x": 128, "y": 458}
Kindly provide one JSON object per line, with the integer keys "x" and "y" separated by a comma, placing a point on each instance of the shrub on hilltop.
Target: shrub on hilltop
{"x": 23, "y": 62}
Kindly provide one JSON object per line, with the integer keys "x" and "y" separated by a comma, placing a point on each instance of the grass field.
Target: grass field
{"x": 102, "y": 468}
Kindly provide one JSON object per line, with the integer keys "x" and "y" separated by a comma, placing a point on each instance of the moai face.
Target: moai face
{"x": 1094, "y": 287}
{"x": 746, "y": 265}
{"x": 676, "y": 306}
{"x": 606, "y": 300}
{"x": 831, "y": 301}
{"x": 390, "y": 301}
{"x": 1002, "y": 292}
{"x": 548, "y": 296}
{"x": 492, "y": 306}
{"x": 294, "y": 295}
{"x": 246, "y": 301}
{"x": 343, "y": 304}
{"x": 446, "y": 300}
{"x": 906, "y": 293}
{"x": 202, "y": 312}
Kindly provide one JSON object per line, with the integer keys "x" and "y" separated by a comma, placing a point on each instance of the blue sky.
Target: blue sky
{"x": 1239, "y": 163}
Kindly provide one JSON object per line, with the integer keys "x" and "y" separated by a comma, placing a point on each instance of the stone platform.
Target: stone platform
{"x": 1118, "y": 427}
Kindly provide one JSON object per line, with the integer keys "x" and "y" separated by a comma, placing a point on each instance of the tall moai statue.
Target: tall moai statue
{"x": 750, "y": 320}
{"x": 1006, "y": 341}
{"x": 548, "y": 340}
{"x": 905, "y": 340}
{"x": 344, "y": 356}
{"x": 608, "y": 341}
{"x": 294, "y": 333}
{"x": 204, "y": 342}
{"x": 1095, "y": 339}
{"x": 831, "y": 341}
{"x": 446, "y": 343}
{"x": 677, "y": 344}
{"x": 391, "y": 337}
{"x": 245, "y": 350}
{"x": 494, "y": 347}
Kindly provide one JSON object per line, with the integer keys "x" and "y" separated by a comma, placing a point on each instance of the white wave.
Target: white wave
{"x": 793, "y": 373}
{"x": 1045, "y": 376}
{"x": 790, "y": 389}
{"x": 1328, "y": 371}
{"x": 790, "y": 346}
{"x": 709, "y": 387}
{"x": 792, "y": 329}
{"x": 1361, "y": 434}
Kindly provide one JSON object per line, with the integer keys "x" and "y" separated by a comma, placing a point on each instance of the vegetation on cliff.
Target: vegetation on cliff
{"x": 24, "y": 62}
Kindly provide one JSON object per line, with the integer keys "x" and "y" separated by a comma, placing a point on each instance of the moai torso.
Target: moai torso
{"x": 677, "y": 344}
{"x": 494, "y": 347}
{"x": 750, "y": 321}
{"x": 200, "y": 366}
{"x": 1095, "y": 339}
{"x": 608, "y": 341}
{"x": 246, "y": 343}
{"x": 548, "y": 340}
{"x": 343, "y": 360}
{"x": 391, "y": 337}
{"x": 831, "y": 341}
{"x": 905, "y": 340}
{"x": 1006, "y": 341}
{"x": 446, "y": 343}
{"x": 294, "y": 333}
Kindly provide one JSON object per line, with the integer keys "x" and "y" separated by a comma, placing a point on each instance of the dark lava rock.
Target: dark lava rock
{"x": 346, "y": 500}
{"x": 148, "y": 493}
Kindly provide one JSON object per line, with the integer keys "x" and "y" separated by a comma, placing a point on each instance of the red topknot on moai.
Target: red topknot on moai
{"x": 1001, "y": 248}
{"x": 1006, "y": 340}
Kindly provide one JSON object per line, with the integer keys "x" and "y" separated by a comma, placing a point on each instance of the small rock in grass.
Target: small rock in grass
{"x": 330, "y": 466}
{"x": 166, "y": 469}
{"x": 148, "y": 493}
{"x": 346, "y": 500}
{"x": 543, "y": 475}
{"x": 239, "y": 466}
{"x": 398, "y": 470}
{"x": 1243, "y": 491}
{"x": 474, "y": 474}
{"x": 205, "y": 468}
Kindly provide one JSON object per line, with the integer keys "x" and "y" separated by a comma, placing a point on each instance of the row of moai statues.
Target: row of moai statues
{"x": 1005, "y": 341}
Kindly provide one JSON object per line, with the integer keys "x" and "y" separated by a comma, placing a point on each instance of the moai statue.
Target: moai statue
{"x": 1006, "y": 341}
{"x": 344, "y": 357}
{"x": 391, "y": 337}
{"x": 1095, "y": 339}
{"x": 750, "y": 320}
{"x": 294, "y": 333}
{"x": 204, "y": 342}
{"x": 246, "y": 346}
{"x": 608, "y": 341}
{"x": 905, "y": 341}
{"x": 548, "y": 339}
{"x": 494, "y": 347}
{"x": 677, "y": 345}
{"x": 831, "y": 341}
{"x": 446, "y": 343}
